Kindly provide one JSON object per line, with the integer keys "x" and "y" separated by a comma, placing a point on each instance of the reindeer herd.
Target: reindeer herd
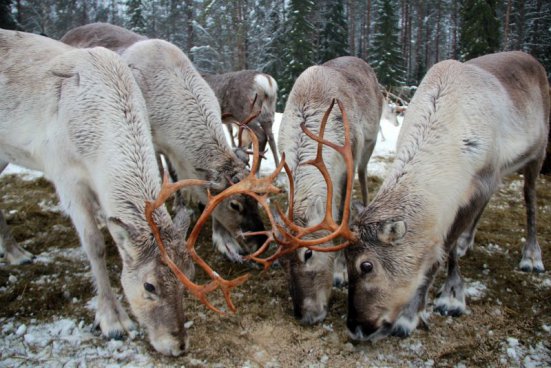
{"x": 96, "y": 111}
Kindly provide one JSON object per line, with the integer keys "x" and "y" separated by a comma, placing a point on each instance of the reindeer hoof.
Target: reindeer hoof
{"x": 527, "y": 265}
{"x": 448, "y": 306}
{"x": 115, "y": 335}
{"x": 405, "y": 325}
{"x": 445, "y": 311}
{"x": 27, "y": 261}
{"x": 400, "y": 331}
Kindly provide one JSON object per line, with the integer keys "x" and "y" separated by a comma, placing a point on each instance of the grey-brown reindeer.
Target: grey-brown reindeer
{"x": 186, "y": 124}
{"x": 79, "y": 116}
{"x": 242, "y": 93}
{"x": 351, "y": 80}
{"x": 468, "y": 125}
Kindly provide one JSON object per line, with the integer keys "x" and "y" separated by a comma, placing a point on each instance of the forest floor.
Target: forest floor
{"x": 46, "y": 308}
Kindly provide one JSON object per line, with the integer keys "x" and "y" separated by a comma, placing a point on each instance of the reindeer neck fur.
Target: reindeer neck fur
{"x": 182, "y": 108}
{"x": 85, "y": 109}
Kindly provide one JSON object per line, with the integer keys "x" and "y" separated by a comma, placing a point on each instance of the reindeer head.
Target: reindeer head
{"x": 387, "y": 266}
{"x": 310, "y": 280}
{"x": 393, "y": 106}
{"x": 309, "y": 253}
{"x": 310, "y": 273}
{"x": 154, "y": 293}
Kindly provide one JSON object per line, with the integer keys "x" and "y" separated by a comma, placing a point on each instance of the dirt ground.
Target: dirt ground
{"x": 508, "y": 322}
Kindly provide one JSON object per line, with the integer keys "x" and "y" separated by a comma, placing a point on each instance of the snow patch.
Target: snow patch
{"x": 475, "y": 290}
{"x": 24, "y": 173}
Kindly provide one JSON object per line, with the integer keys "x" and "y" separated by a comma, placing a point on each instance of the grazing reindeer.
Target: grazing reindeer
{"x": 353, "y": 81}
{"x": 244, "y": 91}
{"x": 186, "y": 125}
{"x": 468, "y": 125}
{"x": 79, "y": 116}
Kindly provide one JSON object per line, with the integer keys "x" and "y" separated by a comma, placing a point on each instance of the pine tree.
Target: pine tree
{"x": 136, "y": 21}
{"x": 538, "y": 42}
{"x": 334, "y": 37}
{"x": 6, "y": 17}
{"x": 299, "y": 51}
{"x": 386, "y": 57}
{"x": 480, "y": 31}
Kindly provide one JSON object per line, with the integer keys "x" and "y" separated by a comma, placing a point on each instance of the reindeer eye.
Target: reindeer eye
{"x": 149, "y": 287}
{"x": 236, "y": 206}
{"x": 366, "y": 267}
{"x": 307, "y": 254}
{"x": 235, "y": 179}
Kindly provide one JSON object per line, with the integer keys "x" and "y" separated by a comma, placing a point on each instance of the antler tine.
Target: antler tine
{"x": 252, "y": 186}
{"x": 346, "y": 152}
{"x": 290, "y": 236}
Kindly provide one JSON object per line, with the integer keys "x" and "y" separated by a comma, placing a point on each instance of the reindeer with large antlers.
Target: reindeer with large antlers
{"x": 311, "y": 274}
{"x": 186, "y": 124}
{"x": 79, "y": 116}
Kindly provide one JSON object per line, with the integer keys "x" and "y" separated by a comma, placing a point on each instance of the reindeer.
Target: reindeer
{"x": 353, "y": 81}
{"x": 78, "y": 116}
{"x": 241, "y": 92}
{"x": 468, "y": 125}
{"x": 390, "y": 113}
{"x": 186, "y": 125}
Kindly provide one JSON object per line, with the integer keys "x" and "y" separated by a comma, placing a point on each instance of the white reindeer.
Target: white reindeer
{"x": 468, "y": 125}
{"x": 353, "y": 82}
{"x": 78, "y": 116}
{"x": 186, "y": 125}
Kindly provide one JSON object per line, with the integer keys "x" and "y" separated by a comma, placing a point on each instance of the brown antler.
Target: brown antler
{"x": 200, "y": 291}
{"x": 288, "y": 235}
{"x": 258, "y": 188}
{"x": 292, "y": 239}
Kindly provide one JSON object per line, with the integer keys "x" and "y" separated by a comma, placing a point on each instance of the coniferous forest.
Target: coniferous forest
{"x": 401, "y": 39}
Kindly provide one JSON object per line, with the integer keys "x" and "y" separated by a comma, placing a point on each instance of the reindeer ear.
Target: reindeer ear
{"x": 390, "y": 231}
{"x": 123, "y": 234}
{"x": 356, "y": 207}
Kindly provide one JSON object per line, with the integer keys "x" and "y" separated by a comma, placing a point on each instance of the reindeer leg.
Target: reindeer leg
{"x": 9, "y": 249}
{"x": 414, "y": 312}
{"x": 466, "y": 239}
{"x": 267, "y": 127}
{"x": 531, "y": 252}
{"x": 79, "y": 202}
{"x": 362, "y": 170}
{"x": 450, "y": 300}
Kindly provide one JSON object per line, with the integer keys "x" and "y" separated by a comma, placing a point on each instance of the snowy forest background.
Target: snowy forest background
{"x": 401, "y": 39}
